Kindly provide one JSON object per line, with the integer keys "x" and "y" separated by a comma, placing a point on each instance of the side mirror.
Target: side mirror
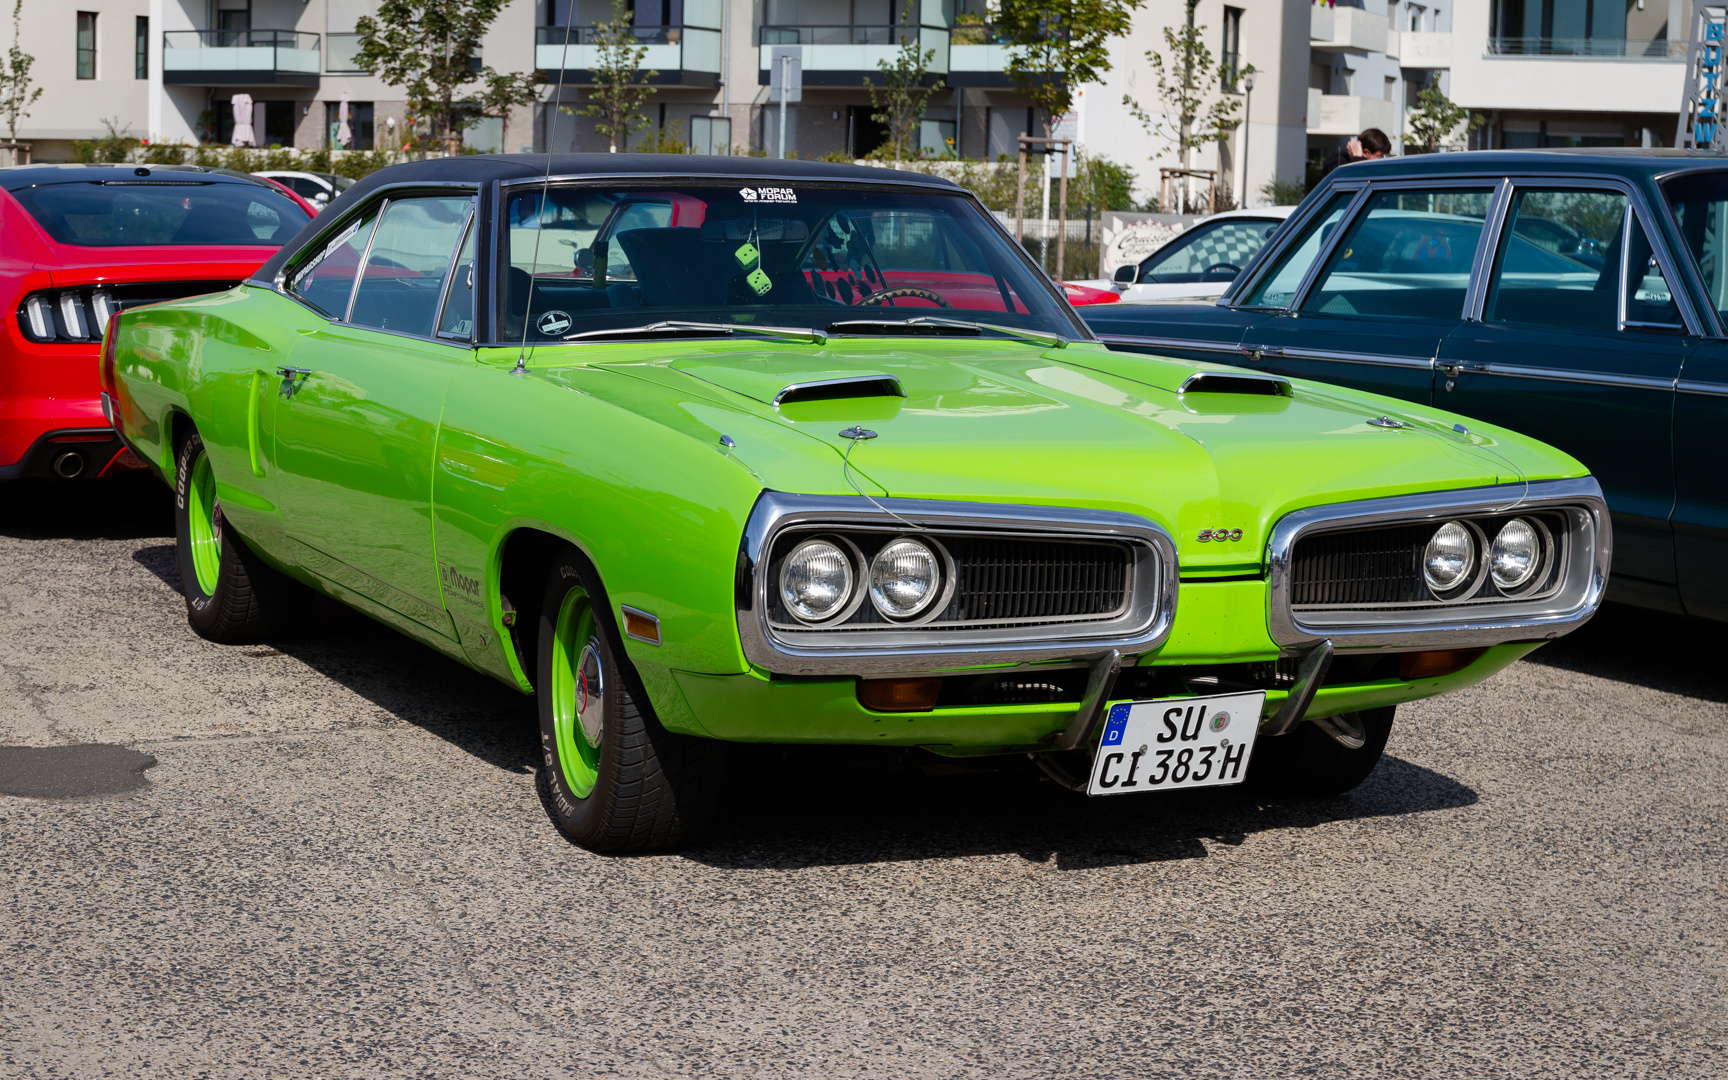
{"x": 1126, "y": 275}
{"x": 585, "y": 260}
{"x": 322, "y": 198}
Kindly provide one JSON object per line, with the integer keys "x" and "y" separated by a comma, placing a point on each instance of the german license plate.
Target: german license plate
{"x": 1184, "y": 742}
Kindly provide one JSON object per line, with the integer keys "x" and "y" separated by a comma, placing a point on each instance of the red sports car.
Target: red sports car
{"x": 81, "y": 242}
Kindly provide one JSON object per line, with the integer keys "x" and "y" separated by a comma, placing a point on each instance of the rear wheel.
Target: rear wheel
{"x": 615, "y": 779}
{"x": 232, "y": 596}
{"x": 1310, "y": 763}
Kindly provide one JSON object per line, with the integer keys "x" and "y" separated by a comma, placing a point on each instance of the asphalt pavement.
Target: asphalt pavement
{"x": 326, "y": 856}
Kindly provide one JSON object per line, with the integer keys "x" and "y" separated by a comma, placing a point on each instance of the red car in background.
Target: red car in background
{"x": 81, "y": 242}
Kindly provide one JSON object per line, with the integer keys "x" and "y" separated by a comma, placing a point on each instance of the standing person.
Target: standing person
{"x": 1371, "y": 145}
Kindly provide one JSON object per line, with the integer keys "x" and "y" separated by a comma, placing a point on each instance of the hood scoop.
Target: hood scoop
{"x": 787, "y": 384}
{"x": 1235, "y": 382}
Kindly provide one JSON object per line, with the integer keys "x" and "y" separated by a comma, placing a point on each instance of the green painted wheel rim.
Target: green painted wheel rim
{"x": 204, "y": 524}
{"x": 578, "y": 693}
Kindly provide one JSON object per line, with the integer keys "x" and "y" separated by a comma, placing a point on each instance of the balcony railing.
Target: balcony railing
{"x": 680, "y": 55}
{"x": 837, "y": 35}
{"x": 240, "y": 57}
{"x": 1659, "y": 49}
{"x": 590, "y": 35}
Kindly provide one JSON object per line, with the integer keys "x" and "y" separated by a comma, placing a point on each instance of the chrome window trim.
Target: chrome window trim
{"x": 776, "y": 511}
{"x": 1359, "y": 207}
{"x": 1590, "y": 539}
{"x": 1249, "y": 279}
{"x": 501, "y": 232}
{"x": 450, "y": 276}
{"x": 1345, "y": 220}
{"x": 1636, "y": 203}
{"x": 1487, "y": 250}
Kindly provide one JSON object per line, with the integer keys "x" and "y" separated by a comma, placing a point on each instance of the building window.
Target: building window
{"x": 141, "y": 48}
{"x": 361, "y": 128}
{"x": 1230, "y": 56}
{"x": 86, "y": 45}
{"x": 1391, "y": 89}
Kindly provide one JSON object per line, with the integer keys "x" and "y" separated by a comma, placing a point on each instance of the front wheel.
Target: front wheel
{"x": 615, "y": 779}
{"x": 232, "y": 596}
{"x": 1309, "y": 763}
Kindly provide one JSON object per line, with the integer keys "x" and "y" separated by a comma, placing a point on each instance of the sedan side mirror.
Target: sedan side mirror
{"x": 585, "y": 260}
{"x": 1126, "y": 275}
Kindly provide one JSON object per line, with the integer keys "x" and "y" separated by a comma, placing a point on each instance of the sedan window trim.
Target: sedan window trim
{"x": 1249, "y": 280}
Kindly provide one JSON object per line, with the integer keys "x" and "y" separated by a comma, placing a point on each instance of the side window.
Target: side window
{"x": 409, "y": 260}
{"x": 457, "y": 320}
{"x": 1559, "y": 261}
{"x": 1278, "y": 287}
{"x": 1207, "y": 254}
{"x": 1649, "y": 299}
{"x": 1408, "y": 255}
{"x": 326, "y": 281}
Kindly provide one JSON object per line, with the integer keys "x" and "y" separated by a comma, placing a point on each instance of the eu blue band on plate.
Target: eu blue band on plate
{"x": 1117, "y": 724}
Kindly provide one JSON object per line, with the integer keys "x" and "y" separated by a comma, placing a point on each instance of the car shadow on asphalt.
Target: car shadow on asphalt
{"x": 130, "y": 506}
{"x": 1652, "y": 649}
{"x": 847, "y": 806}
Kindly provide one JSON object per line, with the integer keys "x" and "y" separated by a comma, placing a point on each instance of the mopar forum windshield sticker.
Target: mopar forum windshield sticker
{"x": 768, "y": 194}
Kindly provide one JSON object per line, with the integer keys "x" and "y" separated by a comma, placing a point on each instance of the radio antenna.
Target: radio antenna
{"x": 521, "y": 367}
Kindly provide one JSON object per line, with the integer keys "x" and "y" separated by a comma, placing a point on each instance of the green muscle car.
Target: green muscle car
{"x": 710, "y": 450}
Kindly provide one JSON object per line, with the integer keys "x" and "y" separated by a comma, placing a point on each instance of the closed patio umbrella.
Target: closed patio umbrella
{"x": 243, "y": 134}
{"x": 344, "y": 134}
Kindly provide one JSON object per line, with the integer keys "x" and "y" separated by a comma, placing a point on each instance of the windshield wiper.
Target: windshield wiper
{"x": 891, "y": 325}
{"x": 675, "y": 328}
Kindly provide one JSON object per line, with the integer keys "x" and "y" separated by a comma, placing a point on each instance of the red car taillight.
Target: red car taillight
{"x": 110, "y": 383}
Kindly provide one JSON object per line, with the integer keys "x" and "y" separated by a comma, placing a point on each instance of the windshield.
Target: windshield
{"x": 153, "y": 213}
{"x": 1209, "y": 253}
{"x": 588, "y": 258}
{"x": 1700, "y": 205}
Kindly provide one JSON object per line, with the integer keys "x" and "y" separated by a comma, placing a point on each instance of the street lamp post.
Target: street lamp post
{"x": 1247, "y": 111}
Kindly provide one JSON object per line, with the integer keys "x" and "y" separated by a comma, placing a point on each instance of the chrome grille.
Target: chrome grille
{"x": 1375, "y": 566}
{"x": 1000, "y": 581}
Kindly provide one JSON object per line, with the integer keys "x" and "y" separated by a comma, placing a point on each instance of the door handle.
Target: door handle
{"x": 1452, "y": 371}
{"x": 289, "y": 374}
{"x": 1257, "y": 353}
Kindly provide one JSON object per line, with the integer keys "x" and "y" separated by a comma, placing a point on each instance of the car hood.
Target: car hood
{"x": 1010, "y": 422}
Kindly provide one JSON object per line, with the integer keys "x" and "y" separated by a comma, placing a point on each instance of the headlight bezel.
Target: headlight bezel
{"x": 854, "y": 562}
{"x": 1541, "y": 566}
{"x": 933, "y": 604}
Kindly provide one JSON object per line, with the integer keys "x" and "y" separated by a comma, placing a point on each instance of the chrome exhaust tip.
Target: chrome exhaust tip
{"x": 69, "y": 465}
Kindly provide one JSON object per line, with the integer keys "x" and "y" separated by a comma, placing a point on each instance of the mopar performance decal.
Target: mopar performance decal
{"x": 459, "y": 584}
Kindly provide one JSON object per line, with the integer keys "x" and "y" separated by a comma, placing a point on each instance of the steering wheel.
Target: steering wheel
{"x": 919, "y": 294}
{"x": 1233, "y": 268}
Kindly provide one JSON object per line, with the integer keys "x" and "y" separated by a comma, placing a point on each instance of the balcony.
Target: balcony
{"x": 1346, "y": 114}
{"x": 842, "y": 55}
{"x": 1588, "y": 47}
{"x": 1425, "y": 49}
{"x": 977, "y": 56}
{"x": 678, "y": 55}
{"x": 1345, "y": 29}
{"x": 240, "y": 58}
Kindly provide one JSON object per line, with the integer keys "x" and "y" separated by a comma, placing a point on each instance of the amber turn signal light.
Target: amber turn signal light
{"x": 899, "y": 695}
{"x": 1432, "y": 665}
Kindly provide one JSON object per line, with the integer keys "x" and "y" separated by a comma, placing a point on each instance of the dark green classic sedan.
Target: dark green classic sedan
{"x": 1578, "y": 297}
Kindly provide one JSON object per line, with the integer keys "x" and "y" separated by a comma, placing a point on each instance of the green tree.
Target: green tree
{"x": 1058, "y": 45}
{"x": 620, "y": 84}
{"x": 17, "y": 94}
{"x": 901, "y": 103}
{"x": 1436, "y": 119}
{"x": 503, "y": 91}
{"x": 431, "y": 50}
{"x": 1185, "y": 74}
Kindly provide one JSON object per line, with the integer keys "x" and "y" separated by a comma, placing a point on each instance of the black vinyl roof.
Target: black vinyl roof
{"x": 491, "y": 168}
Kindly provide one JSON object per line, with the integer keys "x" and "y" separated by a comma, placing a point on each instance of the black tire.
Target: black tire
{"x": 248, "y": 599}
{"x": 648, "y": 789}
{"x": 1308, "y": 763}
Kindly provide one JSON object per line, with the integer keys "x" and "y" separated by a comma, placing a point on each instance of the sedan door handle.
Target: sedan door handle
{"x": 1261, "y": 352}
{"x": 1452, "y": 371}
{"x": 289, "y": 374}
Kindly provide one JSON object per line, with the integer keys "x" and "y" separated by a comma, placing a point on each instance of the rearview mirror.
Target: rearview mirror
{"x": 585, "y": 260}
{"x": 1126, "y": 275}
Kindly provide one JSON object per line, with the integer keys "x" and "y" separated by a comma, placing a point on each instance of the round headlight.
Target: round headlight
{"x": 1450, "y": 557}
{"x": 905, "y": 577}
{"x": 815, "y": 580}
{"x": 1516, "y": 552}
